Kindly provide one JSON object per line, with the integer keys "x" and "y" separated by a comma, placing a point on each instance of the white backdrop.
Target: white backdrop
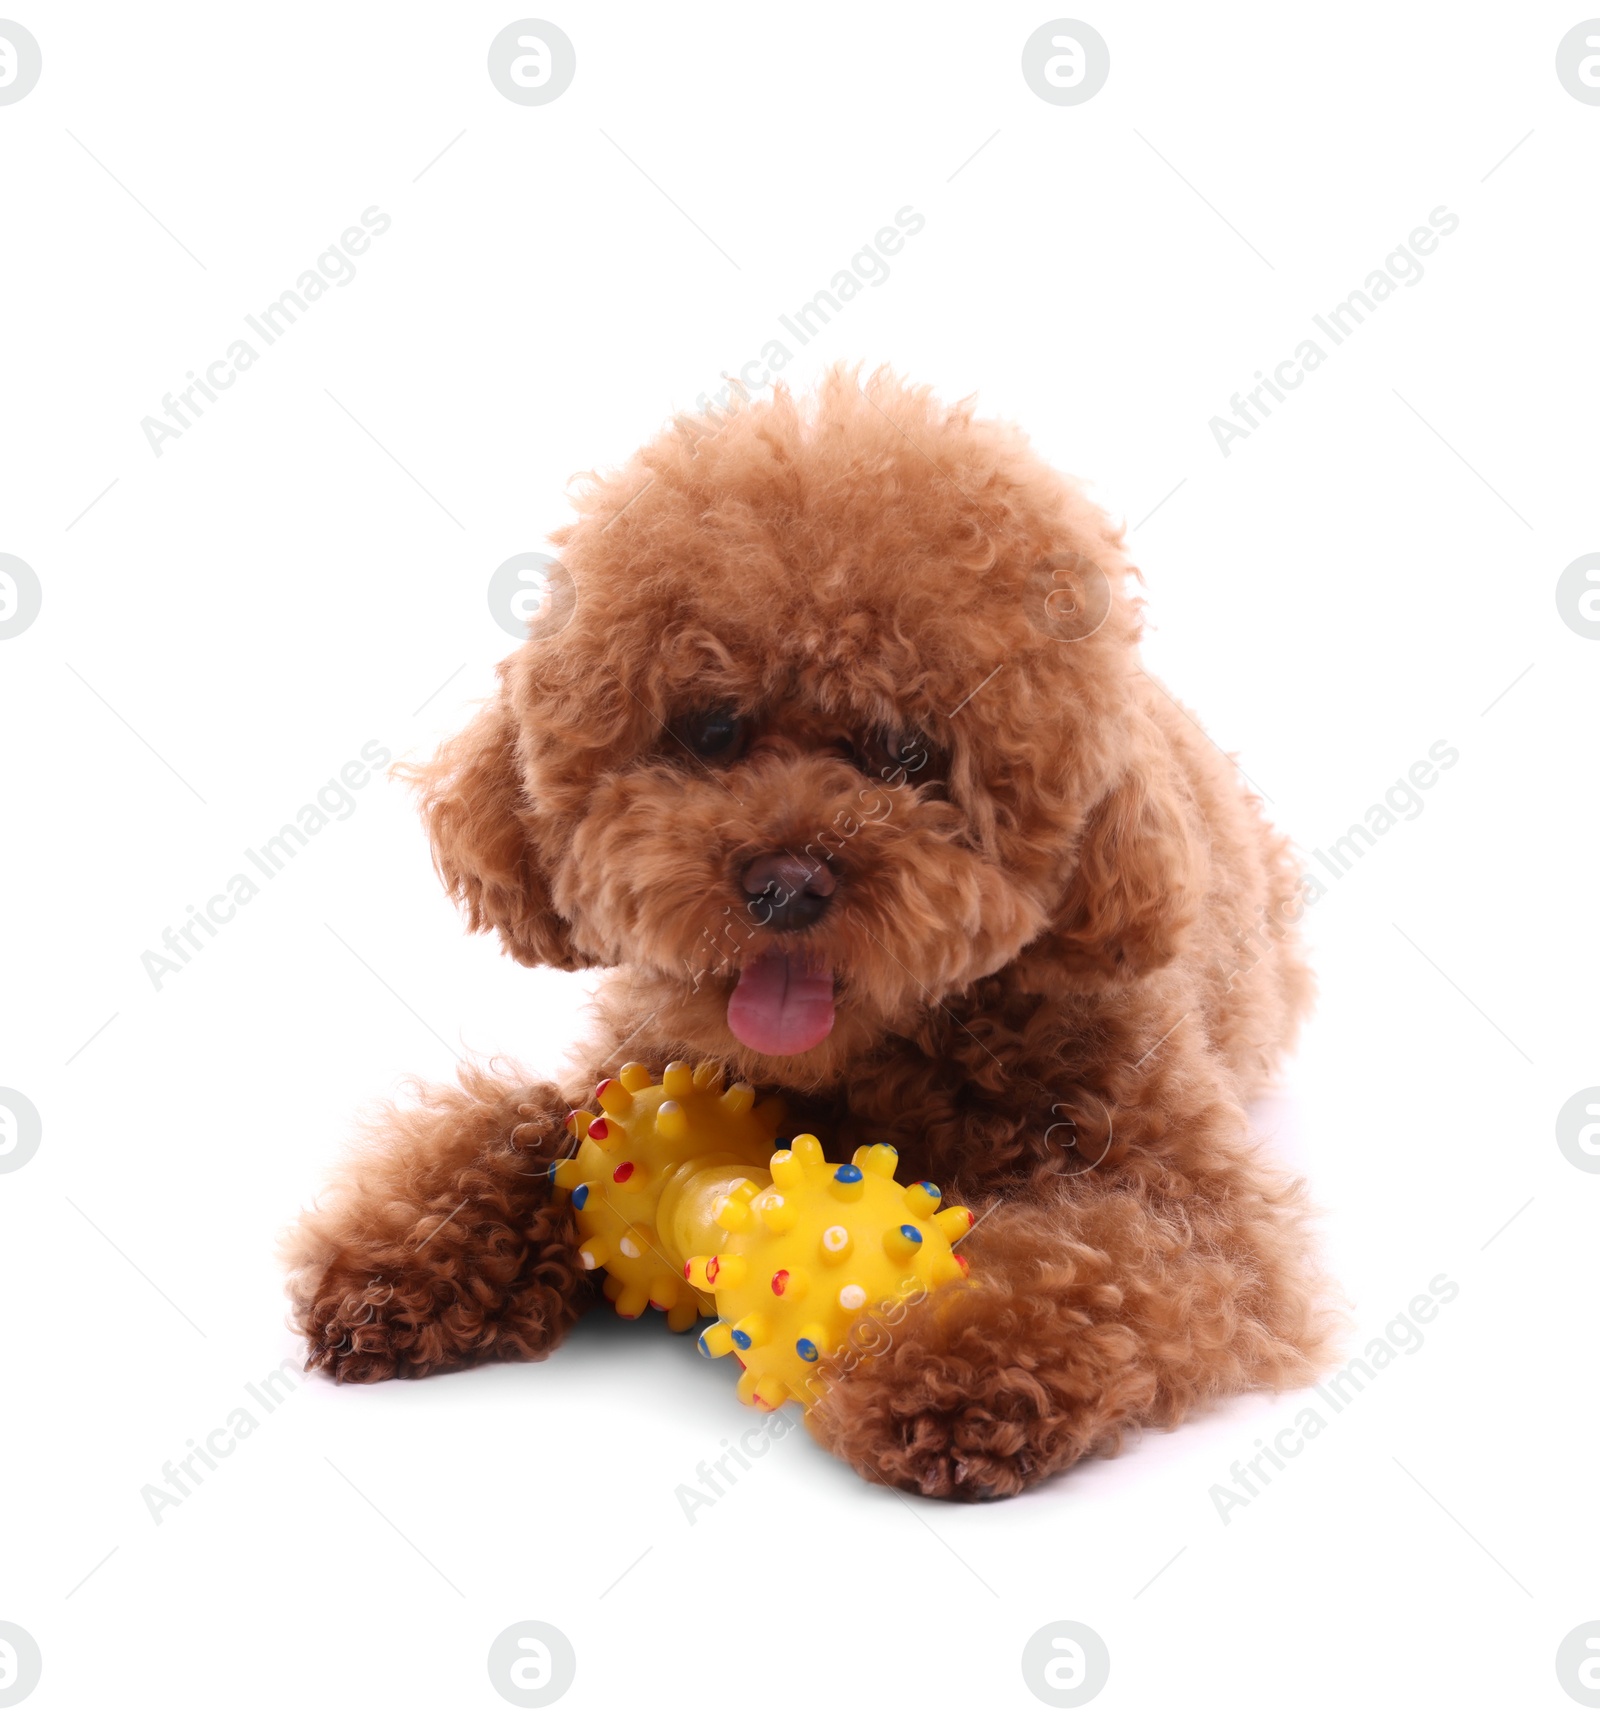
{"x": 229, "y": 613}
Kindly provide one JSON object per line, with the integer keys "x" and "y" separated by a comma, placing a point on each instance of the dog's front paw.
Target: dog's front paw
{"x": 374, "y": 1325}
{"x": 379, "y": 1322}
{"x": 454, "y": 1249}
{"x": 905, "y": 1423}
{"x": 354, "y": 1328}
{"x": 964, "y": 1404}
{"x": 364, "y": 1326}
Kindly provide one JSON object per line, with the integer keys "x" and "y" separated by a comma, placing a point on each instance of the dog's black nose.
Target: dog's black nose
{"x": 787, "y": 893}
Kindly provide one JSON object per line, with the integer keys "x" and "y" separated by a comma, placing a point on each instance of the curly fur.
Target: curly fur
{"x": 1063, "y": 964}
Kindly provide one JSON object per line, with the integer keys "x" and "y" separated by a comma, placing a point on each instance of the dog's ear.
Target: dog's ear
{"x": 1137, "y": 880}
{"x": 482, "y": 830}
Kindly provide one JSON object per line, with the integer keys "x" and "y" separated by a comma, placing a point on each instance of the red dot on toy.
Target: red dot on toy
{"x": 622, "y": 1173}
{"x": 713, "y": 1266}
{"x": 598, "y": 1129}
{"x": 780, "y": 1281}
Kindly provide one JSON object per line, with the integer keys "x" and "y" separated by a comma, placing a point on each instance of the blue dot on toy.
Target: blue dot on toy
{"x": 930, "y": 1190}
{"x": 806, "y": 1349}
{"x": 911, "y": 1233}
{"x": 847, "y": 1173}
{"x": 741, "y": 1338}
{"x": 580, "y": 1196}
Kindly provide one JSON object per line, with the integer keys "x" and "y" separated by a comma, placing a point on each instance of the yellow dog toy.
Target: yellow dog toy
{"x": 690, "y": 1205}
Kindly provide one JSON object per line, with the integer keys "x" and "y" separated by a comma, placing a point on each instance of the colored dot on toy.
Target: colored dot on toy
{"x": 787, "y": 1170}
{"x": 847, "y": 1173}
{"x": 878, "y": 1160}
{"x": 852, "y": 1296}
{"x": 780, "y": 1281}
{"x": 580, "y": 1196}
{"x": 922, "y": 1199}
{"x": 775, "y": 1213}
{"x": 598, "y": 1129}
{"x": 835, "y": 1243}
{"x": 805, "y": 1349}
{"x": 902, "y": 1241}
{"x": 750, "y": 1332}
{"x": 713, "y": 1267}
{"x": 614, "y": 1097}
{"x": 954, "y": 1222}
{"x": 716, "y": 1340}
{"x": 624, "y": 1171}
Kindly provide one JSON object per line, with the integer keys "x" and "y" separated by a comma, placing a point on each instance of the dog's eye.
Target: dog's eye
{"x": 899, "y": 759}
{"x": 717, "y": 736}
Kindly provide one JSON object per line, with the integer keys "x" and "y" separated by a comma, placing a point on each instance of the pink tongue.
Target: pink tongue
{"x": 781, "y": 1005}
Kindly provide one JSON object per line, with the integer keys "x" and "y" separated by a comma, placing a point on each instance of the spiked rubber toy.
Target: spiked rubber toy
{"x": 788, "y": 1251}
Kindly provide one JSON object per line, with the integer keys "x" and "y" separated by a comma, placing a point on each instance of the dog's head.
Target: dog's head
{"x": 845, "y": 717}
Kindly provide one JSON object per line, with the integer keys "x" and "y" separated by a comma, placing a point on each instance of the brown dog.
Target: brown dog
{"x": 845, "y": 765}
